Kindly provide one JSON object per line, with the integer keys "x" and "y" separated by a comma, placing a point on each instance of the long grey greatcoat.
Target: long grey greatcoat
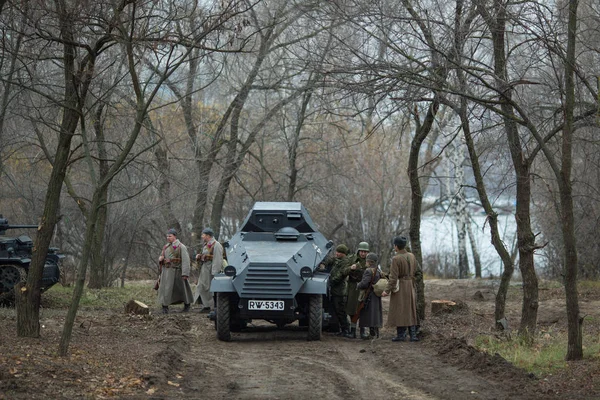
{"x": 208, "y": 269}
{"x": 173, "y": 288}
{"x": 371, "y": 316}
{"x": 354, "y": 276}
{"x": 403, "y": 303}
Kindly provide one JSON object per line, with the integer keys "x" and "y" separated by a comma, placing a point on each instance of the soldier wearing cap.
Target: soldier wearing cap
{"x": 338, "y": 277}
{"x": 357, "y": 268}
{"x": 401, "y": 287}
{"x": 210, "y": 261}
{"x": 174, "y": 287}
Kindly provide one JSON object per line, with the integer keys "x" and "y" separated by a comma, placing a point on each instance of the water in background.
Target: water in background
{"x": 438, "y": 235}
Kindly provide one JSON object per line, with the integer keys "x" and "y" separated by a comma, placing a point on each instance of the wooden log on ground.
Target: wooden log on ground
{"x": 478, "y": 296}
{"x": 136, "y": 307}
{"x": 442, "y": 306}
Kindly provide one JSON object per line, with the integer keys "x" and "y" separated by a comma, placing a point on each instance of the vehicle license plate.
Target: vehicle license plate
{"x": 265, "y": 305}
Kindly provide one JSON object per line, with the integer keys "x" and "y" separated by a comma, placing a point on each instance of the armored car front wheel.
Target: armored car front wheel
{"x": 223, "y": 317}
{"x": 315, "y": 317}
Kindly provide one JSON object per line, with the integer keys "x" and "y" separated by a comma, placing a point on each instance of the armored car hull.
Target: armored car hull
{"x": 272, "y": 272}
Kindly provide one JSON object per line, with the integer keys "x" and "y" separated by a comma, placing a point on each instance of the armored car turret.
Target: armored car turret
{"x": 273, "y": 271}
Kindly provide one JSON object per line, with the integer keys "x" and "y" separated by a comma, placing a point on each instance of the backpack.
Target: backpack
{"x": 380, "y": 286}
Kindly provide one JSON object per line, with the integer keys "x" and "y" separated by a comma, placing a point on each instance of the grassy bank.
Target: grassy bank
{"x": 545, "y": 356}
{"x": 115, "y": 297}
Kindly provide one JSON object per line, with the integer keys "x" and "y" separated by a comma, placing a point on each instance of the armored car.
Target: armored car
{"x": 273, "y": 271}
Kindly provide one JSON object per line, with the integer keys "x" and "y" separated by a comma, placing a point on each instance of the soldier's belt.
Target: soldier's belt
{"x": 208, "y": 257}
{"x": 171, "y": 265}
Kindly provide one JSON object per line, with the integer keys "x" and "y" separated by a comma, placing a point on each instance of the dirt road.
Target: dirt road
{"x": 266, "y": 363}
{"x": 177, "y": 356}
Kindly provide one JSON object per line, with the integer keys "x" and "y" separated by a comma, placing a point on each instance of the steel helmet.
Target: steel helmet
{"x": 363, "y": 246}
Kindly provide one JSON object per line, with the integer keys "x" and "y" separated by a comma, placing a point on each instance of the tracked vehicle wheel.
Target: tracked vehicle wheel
{"x": 223, "y": 317}
{"x": 315, "y": 316}
{"x": 10, "y": 276}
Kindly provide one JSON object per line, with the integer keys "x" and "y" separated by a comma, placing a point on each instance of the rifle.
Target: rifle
{"x": 157, "y": 283}
{"x": 365, "y": 301}
{"x": 160, "y": 264}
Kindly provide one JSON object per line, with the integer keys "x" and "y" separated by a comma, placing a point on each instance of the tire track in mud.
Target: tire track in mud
{"x": 296, "y": 370}
{"x": 265, "y": 363}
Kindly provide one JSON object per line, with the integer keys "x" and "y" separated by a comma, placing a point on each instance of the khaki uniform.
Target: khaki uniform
{"x": 173, "y": 288}
{"x": 403, "y": 303}
{"x": 212, "y": 264}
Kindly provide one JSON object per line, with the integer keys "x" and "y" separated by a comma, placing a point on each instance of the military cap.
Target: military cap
{"x": 372, "y": 257}
{"x": 342, "y": 248}
{"x": 172, "y": 231}
{"x": 208, "y": 231}
{"x": 400, "y": 241}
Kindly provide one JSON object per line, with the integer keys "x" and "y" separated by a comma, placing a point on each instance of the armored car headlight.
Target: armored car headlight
{"x": 230, "y": 270}
{"x": 306, "y": 272}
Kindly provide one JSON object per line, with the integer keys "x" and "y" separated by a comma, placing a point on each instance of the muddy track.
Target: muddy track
{"x": 266, "y": 363}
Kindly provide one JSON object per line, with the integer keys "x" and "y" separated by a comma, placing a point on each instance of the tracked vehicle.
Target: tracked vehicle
{"x": 273, "y": 271}
{"x": 15, "y": 258}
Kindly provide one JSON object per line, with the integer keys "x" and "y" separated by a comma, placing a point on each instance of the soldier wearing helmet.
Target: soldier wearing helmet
{"x": 357, "y": 268}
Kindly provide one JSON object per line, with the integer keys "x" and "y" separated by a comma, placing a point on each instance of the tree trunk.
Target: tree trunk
{"x": 97, "y": 261}
{"x": 496, "y": 21}
{"x": 293, "y": 147}
{"x": 476, "y": 257}
{"x": 460, "y": 209}
{"x": 575, "y": 340}
{"x": 417, "y": 197}
{"x": 204, "y": 168}
{"x": 492, "y": 216}
{"x": 65, "y": 338}
{"x": 97, "y": 268}
{"x": 164, "y": 187}
{"x": 6, "y": 94}
{"x": 28, "y": 303}
{"x": 526, "y": 244}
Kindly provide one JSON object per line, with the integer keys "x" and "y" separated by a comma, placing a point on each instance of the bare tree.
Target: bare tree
{"x": 170, "y": 61}
{"x": 76, "y": 83}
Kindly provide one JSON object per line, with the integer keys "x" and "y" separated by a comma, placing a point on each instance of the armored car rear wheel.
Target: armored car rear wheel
{"x": 10, "y": 276}
{"x": 223, "y": 317}
{"x": 315, "y": 317}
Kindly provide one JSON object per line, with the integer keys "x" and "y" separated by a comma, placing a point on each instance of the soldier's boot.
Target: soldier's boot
{"x": 373, "y": 332}
{"x": 364, "y": 333}
{"x": 186, "y": 307}
{"x": 401, "y": 330}
{"x": 165, "y": 309}
{"x": 377, "y": 333}
{"x": 351, "y": 334}
{"x": 343, "y": 332}
{"x": 413, "y": 334}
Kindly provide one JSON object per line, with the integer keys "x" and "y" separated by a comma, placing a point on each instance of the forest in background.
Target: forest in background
{"x": 120, "y": 119}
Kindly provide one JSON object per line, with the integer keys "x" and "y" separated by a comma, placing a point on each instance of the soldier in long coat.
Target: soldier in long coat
{"x": 401, "y": 286}
{"x": 174, "y": 287}
{"x": 357, "y": 268}
{"x": 371, "y": 315}
{"x": 211, "y": 263}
